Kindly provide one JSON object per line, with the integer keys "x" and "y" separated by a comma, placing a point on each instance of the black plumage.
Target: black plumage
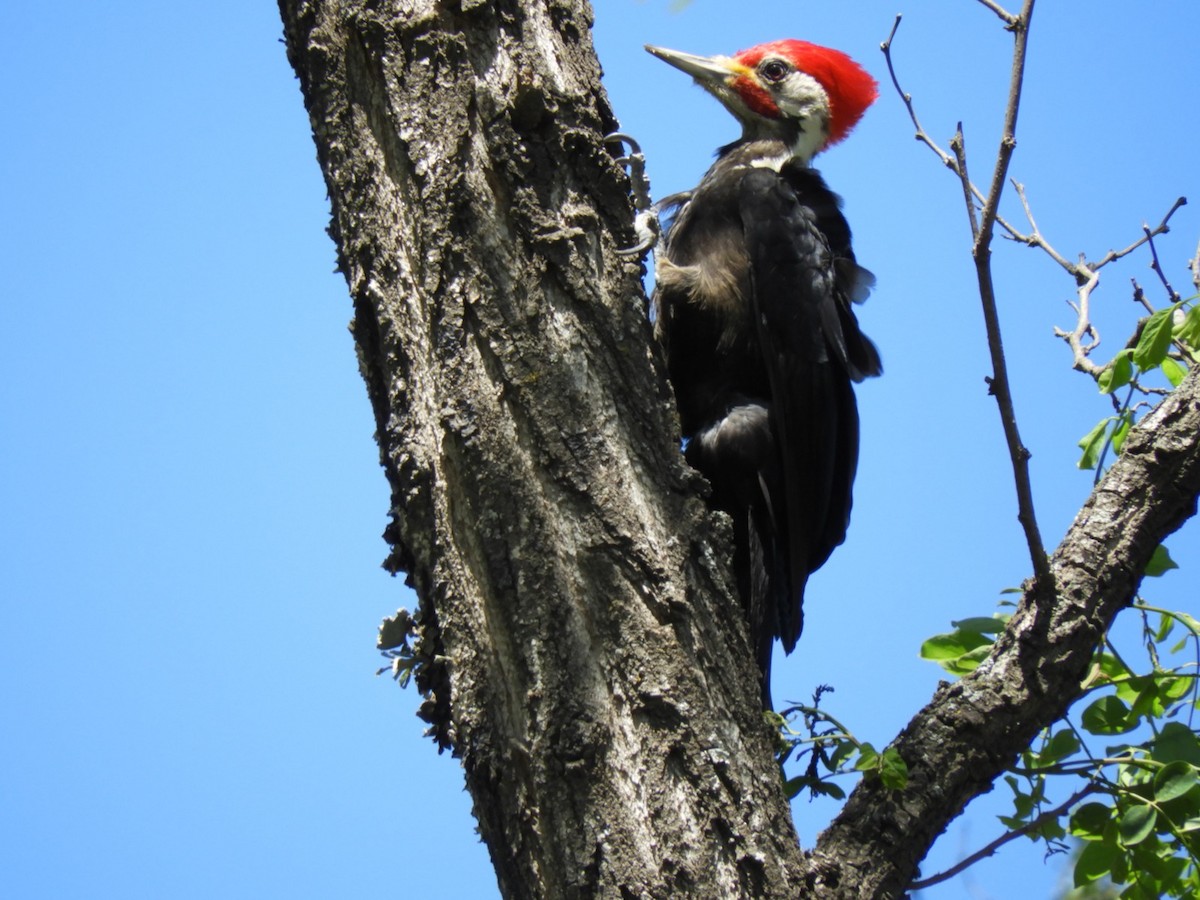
{"x": 753, "y": 303}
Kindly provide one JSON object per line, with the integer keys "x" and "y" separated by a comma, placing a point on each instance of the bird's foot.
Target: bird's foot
{"x": 645, "y": 222}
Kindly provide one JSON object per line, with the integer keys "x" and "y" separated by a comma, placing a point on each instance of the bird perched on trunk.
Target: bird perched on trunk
{"x": 755, "y": 279}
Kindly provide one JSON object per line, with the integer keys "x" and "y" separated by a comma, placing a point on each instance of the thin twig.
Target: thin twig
{"x": 1172, "y": 294}
{"x": 1160, "y": 228}
{"x": 959, "y": 145}
{"x": 1009, "y": 19}
{"x": 1008, "y": 141}
{"x": 1084, "y": 338}
{"x": 1035, "y": 238}
{"x": 1139, "y": 297}
{"x": 1002, "y": 840}
{"x": 999, "y": 382}
{"x": 1083, "y": 328}
{"x": 1194, "y": 265}
{"x": 982, "y": 234}
{"x": 923, "y": 136}
{"x": 1087, "y": 276}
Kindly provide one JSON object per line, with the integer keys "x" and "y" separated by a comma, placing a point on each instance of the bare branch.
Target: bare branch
{"x": 1139, "y": 297}
{"x": 1087, "y": 279}
{"x": 1194, "y": 265}
{"x": 1172, "y": 294}
{"x": 1035, "y": 238}
{"x": 959, "y": 146}
{"x": 999, "y": 383}
{"x": 1010, "y": 21}
{"x": 1008, "y": 141}
{"x": 922, "y": 135}
{"x": 1083, "y": 328}
{"x": 995, "y": 845}
{"x": 1160, "y": 228}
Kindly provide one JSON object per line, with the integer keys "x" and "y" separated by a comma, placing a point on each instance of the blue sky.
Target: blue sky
{"x": 191, "y": 493}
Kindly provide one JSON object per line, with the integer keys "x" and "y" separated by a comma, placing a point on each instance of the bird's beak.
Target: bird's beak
{"x": 709, "y": 71}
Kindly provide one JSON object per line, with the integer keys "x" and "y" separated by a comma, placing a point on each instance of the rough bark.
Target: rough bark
{"x": 599, "y": 681}
{"x": 586, "y": 657}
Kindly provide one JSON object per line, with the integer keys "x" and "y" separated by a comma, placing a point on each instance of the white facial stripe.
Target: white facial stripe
{"x": 801, "y": 97}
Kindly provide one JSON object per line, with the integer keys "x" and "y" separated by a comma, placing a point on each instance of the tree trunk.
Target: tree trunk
{"x": 598, "y": 681}
{"x": 582, "y": 646}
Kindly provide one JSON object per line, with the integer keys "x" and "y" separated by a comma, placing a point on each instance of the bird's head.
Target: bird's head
{"x": 806, "y": 95}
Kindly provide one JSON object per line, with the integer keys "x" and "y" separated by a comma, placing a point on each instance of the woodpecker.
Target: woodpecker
{"x": 755, "y": 280}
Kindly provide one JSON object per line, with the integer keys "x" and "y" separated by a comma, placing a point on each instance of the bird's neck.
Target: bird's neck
{"x": 774, "y": 142}
{"x": 768, "y": 153}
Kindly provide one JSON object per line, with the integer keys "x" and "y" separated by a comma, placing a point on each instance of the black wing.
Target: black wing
{"x": 812, "y": 351}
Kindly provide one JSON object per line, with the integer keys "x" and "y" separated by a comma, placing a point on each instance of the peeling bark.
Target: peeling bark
{"x": 586, "y": 656}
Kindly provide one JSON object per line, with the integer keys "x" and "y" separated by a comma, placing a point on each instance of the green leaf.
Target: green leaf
{"x": 1112, "y": 666}
{"x": 1023, "y": 805}
{"x": 840, "y": 754}
{"x": 1174, "y": 780}
{"x": 868, "y": 758}
{"x": 893, "y": 771}
{"x": 1089, "y": 821}
{"x": 1148, "y": 702}
{"x": 1095, "y": 861}
{"x": 1175, "y": 688}
{"x": 1152, "y": 346}
{"x": 1108, "y": 715}
{"x": 1192, "y": 824}
{"x": 1121, "y": 431}
{"x": 951, "y": 645}
{"x": 1136, "y": 824}
{"x": 828, "y": 789}
{"x": 962, "y": 650}
{"x": 1134, "y": 687}
{"x": 1189, "y": 330}
{"x": 1051, "y": 829}
{"x": 968, "y": 662}
{"x": 1060, "y": 746}
{"x": 1158, "y": 871}
{"x": 1117, "y": 373}
{"x": 1160, "y": 562}
{"x": 1174, "y": 742}
{"x": 1092, "y": 443}
{"x": 1174, "y": 371}
{"x": 982, "y": 624}
{"x": 793, "y": 786}
{"x": 890, "y": 768}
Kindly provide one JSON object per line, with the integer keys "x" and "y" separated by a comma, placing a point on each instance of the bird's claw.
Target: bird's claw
{"x": 645, "y": 222}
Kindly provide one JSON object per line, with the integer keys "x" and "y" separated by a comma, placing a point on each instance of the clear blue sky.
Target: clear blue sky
{"x": 191, "y": 495}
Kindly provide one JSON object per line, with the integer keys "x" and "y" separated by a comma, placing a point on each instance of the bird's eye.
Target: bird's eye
{"x": 774, "y": 70}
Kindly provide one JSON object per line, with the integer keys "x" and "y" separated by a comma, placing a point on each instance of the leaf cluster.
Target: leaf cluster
{"x": 1166, "y": 341}
{"x": 411, "y": 644}
{"x": 1140, "y": 826}
{"x": 810, "y": 735}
